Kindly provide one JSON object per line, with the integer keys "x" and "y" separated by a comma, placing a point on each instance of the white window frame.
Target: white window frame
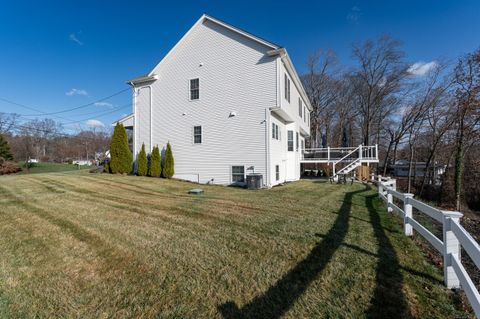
{"x": 288, "y": 141}
{"x": 287, "y": 88}
{"x": 244, "y": 174}
{"x": 300, "y": 108}
{"x": 275, "y": 131}
{"x": 190, "y": 89}
{"x": 297, "y": 140}
{"x": 201, "y": 135}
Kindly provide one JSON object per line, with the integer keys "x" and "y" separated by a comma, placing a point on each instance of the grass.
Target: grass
{"x": 79, "y": 245}
{"x": 45, "y": 167}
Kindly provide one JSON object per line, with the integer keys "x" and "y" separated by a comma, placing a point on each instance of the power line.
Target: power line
{"x": 63, "y": 111}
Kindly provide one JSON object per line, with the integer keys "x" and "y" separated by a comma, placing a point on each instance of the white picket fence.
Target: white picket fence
{"x": 454, "y": 237}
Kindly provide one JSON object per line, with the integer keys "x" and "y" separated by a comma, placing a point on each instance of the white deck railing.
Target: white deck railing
{"x": 454, "y": 237}
{"x": 335, "y": 154}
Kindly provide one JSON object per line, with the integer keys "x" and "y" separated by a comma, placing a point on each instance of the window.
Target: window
{"x": 197, "y": 135}
{"x": 290, "y": 141}
{"x": 297, "y": 141}
{"x": 287, "y": 88}
{"x": 303, "y": 146}
{"x": 238, "y": 174}
{"x": 194, "y": 89}
{"x": 300, "y": 108}
{"x": 275, "y": 135}
{"x": 277, "y": 172}
{"x": 304, "y": 114}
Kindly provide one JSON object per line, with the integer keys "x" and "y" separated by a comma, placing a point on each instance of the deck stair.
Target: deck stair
{"x": 343, "y": 159}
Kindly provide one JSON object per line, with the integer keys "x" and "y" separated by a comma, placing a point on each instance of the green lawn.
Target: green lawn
{"x": 80, "y": 245}
{"x": 48, "y": 167}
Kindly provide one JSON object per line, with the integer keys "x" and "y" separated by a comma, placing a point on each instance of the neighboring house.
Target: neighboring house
{"x": 82, "y": 162}
{"x": 401, "y": 168}
{"x": 230, "y": 104}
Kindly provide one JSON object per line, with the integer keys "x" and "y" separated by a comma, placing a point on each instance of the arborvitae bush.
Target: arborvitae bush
{"x": 168, "y": 164}
{"x": 5, "y": 149}
{"x": 155, "y": 168}
{"x": 142, "y": 162}
{"x": 121, "y": 157}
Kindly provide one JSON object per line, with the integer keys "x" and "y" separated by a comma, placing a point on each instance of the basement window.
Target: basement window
{"x": 277, "y": 172}
{"x": 238, "y": 174}
{"x": 194, "y": 89}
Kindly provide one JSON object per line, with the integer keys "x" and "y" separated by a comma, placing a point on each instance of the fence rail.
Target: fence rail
{"x": 455, "y": 237}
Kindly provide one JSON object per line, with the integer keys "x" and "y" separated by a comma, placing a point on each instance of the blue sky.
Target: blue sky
{"x": 57, "y": 55}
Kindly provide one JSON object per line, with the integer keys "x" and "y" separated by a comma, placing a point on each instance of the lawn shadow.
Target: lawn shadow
{"x": 388, "y": 300}
{"x": 278, "y": 299}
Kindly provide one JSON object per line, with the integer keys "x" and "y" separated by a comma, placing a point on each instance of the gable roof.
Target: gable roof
{"x": 275, "y": 49}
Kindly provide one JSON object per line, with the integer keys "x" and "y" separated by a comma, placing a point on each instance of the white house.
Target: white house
{"x": 230, "y": 104}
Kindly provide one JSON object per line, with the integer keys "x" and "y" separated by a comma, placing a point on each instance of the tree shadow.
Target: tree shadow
{"x": 280, "y": 297}
{"x": 388, "y": 299}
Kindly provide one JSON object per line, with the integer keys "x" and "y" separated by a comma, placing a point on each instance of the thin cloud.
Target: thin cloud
{"x": 103, "y": 104}
{"x": 422, "y": 68}
{"x": 354, "y": 14}
{"x": 73, "y": 37}
{"x": 73, "y": 92}
{"x": 94, "y": 123}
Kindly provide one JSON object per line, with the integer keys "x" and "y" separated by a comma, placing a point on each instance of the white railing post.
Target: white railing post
{"x": 389, "y": 201}
{"x": 380, "y": 186}
{"x": 407, "y": 209}
{"x": 376, "y": 151}
{"x": 328, "y": 153}
{"x": 360, "y": 151}
{"x": 451, "y": 247}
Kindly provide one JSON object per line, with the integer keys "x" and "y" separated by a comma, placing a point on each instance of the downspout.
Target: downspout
{"x": 267, "y": 148}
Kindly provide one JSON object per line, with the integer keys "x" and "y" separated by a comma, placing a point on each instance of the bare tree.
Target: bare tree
{"x": 377, "y": 79}
{"x": 8, "y": 122}
{"x": 320, "y": 87}
{"x": 467, "y": 82}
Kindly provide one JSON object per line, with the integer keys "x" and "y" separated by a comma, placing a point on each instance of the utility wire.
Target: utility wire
{"x": 63, "y": 111}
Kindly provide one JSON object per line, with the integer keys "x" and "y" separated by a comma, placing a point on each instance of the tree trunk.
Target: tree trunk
{"x": 409, "y": 188}
{"x": 459, "y": 166}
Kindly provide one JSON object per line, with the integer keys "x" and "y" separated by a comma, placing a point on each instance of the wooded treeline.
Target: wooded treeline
{"x": 419, "y": 112}
{"x": 46, "y": 140}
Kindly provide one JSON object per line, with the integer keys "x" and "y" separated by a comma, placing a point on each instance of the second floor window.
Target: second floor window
{"x": 290, "y": 141}
{"x": 194, "y": 89}
{"x": 287, "y": 88}
{"x": 300, "y": 108}
{"x": 197, "y": 135}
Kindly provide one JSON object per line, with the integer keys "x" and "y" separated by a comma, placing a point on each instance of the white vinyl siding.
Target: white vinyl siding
{"x": 233, "y": 82}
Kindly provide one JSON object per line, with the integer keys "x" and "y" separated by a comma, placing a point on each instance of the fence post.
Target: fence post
{"x": 380, "y": 186}
{"x": 407, "y": 209}
{"x": 389, "y": 201}
{"x": 451, "y": 247}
